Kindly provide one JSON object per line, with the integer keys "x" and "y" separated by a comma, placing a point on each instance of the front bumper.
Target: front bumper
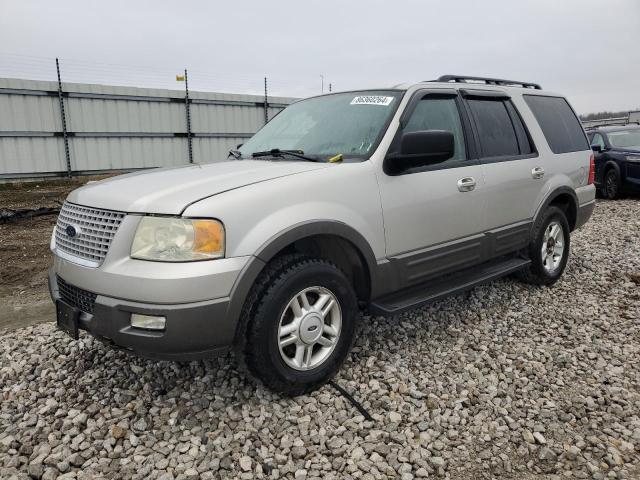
{"x": 193, "y": 330}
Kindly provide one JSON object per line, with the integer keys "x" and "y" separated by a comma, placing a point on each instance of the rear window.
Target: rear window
{"x": 497, "y": 135}
{"x": 500, "y": 128}
{"x": 559, "y": 123}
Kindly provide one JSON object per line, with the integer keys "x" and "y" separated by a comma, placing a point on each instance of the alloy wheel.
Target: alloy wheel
{"x": 309, "y": 328}
{"x": 553, "y": 246}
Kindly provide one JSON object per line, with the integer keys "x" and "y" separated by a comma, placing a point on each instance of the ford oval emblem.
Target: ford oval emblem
{"x": 73, "y": 231}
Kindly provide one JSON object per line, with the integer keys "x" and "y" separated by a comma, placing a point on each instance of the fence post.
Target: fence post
{"x": 188, "y": 109}
{"x": 266, "y": 103}
{"x": 64, "y": 121}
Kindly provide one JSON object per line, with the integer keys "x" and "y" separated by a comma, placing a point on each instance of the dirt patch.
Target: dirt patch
{"x": 24, "y": 249}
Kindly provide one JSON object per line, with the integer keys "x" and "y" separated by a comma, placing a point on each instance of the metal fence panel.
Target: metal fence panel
{"x": 30, "y": 155}
{"x": 96, "y": 115}
{"x": 117, "y": 153}
{"x": 113, "y": 128}
{"x": 24, "y": 113}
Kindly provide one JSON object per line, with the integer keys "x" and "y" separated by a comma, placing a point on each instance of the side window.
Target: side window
{"x": 498, "y": 136}
{"x": 524, "y": 140}
{"x": 598, "y": 140}
{"x": 558, "y": 122}
{"x": 439, "y": 114}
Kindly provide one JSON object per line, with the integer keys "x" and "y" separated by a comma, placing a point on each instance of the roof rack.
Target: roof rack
{"x": 486, "y": 80}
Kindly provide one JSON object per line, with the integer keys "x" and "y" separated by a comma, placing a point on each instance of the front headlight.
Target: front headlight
{"x": 171, "y": 239}
{"x": 633, "y": 158}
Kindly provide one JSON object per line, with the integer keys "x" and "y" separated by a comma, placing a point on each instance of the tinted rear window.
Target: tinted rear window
{"x": 497, "y": 135}
{"x": 559, "y": 124}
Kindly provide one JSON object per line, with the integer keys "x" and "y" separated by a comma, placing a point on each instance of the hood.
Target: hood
{"x": 170, "y": 190}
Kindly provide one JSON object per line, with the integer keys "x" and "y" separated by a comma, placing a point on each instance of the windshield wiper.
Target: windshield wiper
{"x": 235, "y": 154}
{"x": 276, "y": 152}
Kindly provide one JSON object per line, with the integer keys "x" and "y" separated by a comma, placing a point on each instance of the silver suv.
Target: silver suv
{"x": 381, "y": 199}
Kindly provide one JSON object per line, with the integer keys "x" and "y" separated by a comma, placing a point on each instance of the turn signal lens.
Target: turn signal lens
{"x": 209, "y": 237}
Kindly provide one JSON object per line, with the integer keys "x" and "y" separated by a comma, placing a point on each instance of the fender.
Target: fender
{"x": 551, "y": 197}
{"x": 317, "y": 227}
{"x": 271, "y": 247}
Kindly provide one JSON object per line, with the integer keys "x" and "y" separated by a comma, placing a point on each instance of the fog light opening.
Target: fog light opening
{"x": 147, "y": 322}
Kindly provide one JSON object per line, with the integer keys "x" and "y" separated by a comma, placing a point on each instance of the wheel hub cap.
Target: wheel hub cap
{"x": 551, "y": 243}
{"x": 310, "y": 328}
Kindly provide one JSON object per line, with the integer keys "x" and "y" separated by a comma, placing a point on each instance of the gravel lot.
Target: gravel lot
{"x": 507, "y": 381}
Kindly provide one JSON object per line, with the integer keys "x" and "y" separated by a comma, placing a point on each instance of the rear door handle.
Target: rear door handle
{"x": 466, "y": 184}
{"x": 537, "y": 172}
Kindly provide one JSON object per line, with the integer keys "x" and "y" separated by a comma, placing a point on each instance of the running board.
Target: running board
{"x": 439, "y": 288}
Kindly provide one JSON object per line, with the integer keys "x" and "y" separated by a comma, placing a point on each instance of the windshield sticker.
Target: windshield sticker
{"x": 372, "y": 100}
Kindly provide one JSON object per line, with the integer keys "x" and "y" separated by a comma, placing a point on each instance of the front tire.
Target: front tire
{"x": 548, "y": 248}
{"x": 611, "y": 188}
{"x": 299, "y": 323}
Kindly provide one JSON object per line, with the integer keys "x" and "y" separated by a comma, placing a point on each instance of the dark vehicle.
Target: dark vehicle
{"x": 617, "y": 157}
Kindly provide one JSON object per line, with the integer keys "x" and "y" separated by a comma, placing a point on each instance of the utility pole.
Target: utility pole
{"x": 329, "y": 87}
{"x": 322, "y": 83}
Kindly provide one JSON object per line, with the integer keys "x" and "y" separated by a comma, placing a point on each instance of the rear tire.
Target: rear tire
{"x": 298, "y": 324}
{"x": 548, "y": 248}
{"x": 611, "y": 184}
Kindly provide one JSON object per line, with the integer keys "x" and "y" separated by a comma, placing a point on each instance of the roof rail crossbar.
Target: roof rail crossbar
{"x": 486, "y": 80}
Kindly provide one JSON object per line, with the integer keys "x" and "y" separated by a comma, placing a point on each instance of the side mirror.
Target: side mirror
{"x": 420, "y": 148}
{"x": 596, "y": 148}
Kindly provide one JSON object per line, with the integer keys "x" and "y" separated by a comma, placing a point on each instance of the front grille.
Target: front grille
{"x": 76, "y": 297}
{"x": 95, "y": 229}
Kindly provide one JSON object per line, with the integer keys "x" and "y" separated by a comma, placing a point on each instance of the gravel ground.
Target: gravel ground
{"x": 507, "y": 381}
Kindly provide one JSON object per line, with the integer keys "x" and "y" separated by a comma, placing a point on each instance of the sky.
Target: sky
{"x": 588, "y": 50}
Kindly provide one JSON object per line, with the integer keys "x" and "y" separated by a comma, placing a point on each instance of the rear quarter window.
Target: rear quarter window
{"x": 558, "y": 122}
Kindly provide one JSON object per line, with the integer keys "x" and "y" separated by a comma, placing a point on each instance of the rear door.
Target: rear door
{"x": 513, "y": 172}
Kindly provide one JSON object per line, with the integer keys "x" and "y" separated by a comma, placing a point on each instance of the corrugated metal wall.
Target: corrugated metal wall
{"x": 112, "y": 128}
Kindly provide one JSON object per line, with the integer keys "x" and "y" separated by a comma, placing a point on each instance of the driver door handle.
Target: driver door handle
{"x": 537, "y": 172}
{"x": 466, "y": 184}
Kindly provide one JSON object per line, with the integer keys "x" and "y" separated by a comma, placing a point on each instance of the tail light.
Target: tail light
{"x": 592, "y": 171}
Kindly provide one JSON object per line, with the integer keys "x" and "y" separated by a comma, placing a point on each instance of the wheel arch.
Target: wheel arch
{"x": 566, "y": 199}
{"x": 611, "y": 164}
{"x": 332, "y": 240}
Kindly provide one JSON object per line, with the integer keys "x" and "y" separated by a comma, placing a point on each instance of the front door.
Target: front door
{"x": 434, "y": 215}
{"x": 600, "y": 157}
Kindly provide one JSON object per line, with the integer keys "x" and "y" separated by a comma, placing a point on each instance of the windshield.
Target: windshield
{"x": 625, "y": 138}
{"x": 350, "y": 124}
